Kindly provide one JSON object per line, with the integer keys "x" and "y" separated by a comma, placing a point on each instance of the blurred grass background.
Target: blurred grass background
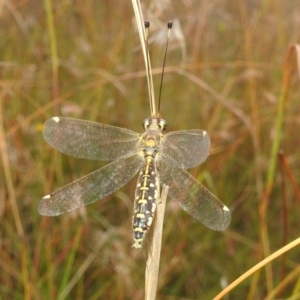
{"x": 224, "y": 74}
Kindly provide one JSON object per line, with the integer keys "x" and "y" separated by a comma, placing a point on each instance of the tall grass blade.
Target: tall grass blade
{"x": 71, "y": 258}
{"x": 263, "y": 208}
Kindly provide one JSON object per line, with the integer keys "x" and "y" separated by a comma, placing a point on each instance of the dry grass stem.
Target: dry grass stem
{"x": 8, "y": 176}
{"x": 140, "y": 22}
{"x": 276, "y": 143}
{"x": 257, "y": 267}
{"x": 152, "y": 266}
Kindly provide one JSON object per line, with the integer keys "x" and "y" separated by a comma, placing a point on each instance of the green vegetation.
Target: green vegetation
{"x": 229, "y": 71}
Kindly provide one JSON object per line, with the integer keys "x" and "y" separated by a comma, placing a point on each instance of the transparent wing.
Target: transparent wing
{"x": 90, "y": 140}
{"x": 187, "y": 148}
{"x": 91, "y": 187}
{"x": 194, "y": 198}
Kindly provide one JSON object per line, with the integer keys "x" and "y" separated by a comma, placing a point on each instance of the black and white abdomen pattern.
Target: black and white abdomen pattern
{"x": 146, "y": 196}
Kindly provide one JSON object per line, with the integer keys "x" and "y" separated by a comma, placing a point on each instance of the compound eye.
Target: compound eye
{"x": 146, "y": 123}
{"x": 162, "y": 124}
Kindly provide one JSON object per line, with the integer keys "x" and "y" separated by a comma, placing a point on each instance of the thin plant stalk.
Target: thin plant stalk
{"x": 258, "y": 267}
{"x": 275, "y": 149}
{"x": 8, "y": 176}
{"x": 14, "y": 207}
{"x": 152, "y": 265}
{"x": 142, "y": 34}
{"x": 71, "y": 258}
{"x": 271, "y": 175}
{"x": 53, "y": 47}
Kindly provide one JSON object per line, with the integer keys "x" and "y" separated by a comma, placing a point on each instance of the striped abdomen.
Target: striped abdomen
{"x": 146, "y": 196}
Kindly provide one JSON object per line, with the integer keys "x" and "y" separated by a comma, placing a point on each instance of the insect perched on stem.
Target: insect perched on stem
{"x": 160, "y": 158}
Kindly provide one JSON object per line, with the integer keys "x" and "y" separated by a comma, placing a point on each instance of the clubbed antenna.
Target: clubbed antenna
{"x": 170, "y": 24}
{"x": 148, "y": 70}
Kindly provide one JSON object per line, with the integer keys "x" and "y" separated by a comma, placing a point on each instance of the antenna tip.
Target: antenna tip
{"x": 170, "y": 24}
{"x": 147, "y": 24}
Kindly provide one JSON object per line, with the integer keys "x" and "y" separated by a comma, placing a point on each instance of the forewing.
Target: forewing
{"x": 90, "y": 140}
{"x": 91, "y": 187}
{"x": 187, "y": 148}
{"x": 194, "y": 198}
